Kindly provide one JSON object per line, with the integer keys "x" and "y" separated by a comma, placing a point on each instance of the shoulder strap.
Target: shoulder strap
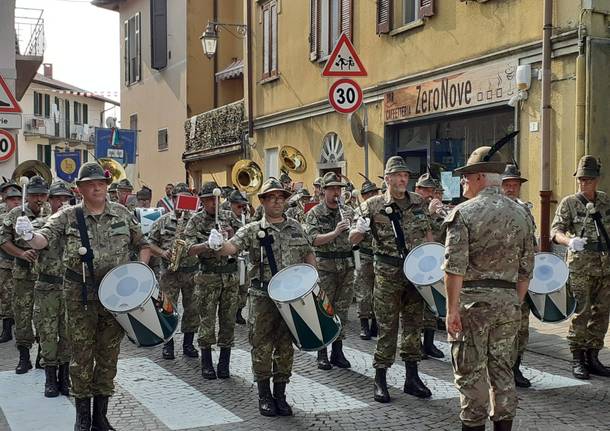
{"x": 87, "y": 258}
{"x": 266, "y": 239}
{"x": 392, "y": 211}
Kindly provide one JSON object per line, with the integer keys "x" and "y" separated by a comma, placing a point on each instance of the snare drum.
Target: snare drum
{"x": 304, "y": 307}
{"x": 548, "y": 295}
{"x": 131, "y": 293}
{"x": 423, "y": 268}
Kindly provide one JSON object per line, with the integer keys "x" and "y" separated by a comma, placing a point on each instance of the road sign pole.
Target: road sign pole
{"x": 365, "y": 122}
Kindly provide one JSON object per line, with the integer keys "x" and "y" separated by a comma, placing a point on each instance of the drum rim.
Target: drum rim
{"x": 567, "y": 277}
{"x": 143, "y": 302}
{"x": 304, "y": 294}
{"x": 404, "y": 263}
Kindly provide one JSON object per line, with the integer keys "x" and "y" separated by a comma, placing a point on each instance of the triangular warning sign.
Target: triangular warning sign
{"x": 8, "y": 103}
{"x": 344, "y": 61}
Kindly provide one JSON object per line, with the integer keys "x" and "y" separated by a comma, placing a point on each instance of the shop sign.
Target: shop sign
{"x": 494, "y": 82}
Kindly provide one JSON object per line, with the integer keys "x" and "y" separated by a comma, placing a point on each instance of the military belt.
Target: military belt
{"x": 193, "y": 268}
{"x": 501, "y": 284}
{"x": 22, "y": 263}
{"x": 4, "y": 255}
{"x": 389, "y": 260}
{"x": 256, "y": 284}
{"x": 366, "y": 251}
{"x": 218, "y": 269}
{"x": 51, "y": 279}
{"x": 334, "y": 254}
{"x": 76, "y": 277}
{"x": 596, "y": 246}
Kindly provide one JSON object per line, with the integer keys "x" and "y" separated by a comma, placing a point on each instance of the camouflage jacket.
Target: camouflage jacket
{"x": 21, "y": 269}
{"x": 6, "y": 260}
{"x": 489, "y": 238}
{"x": 163, "y": 234}
{"x": 114, "y": 235}
{"x": 50, "y": 262}
{"x": 2, "y": 207}
{"x": 197, "y": 232}
{"x": 289, "y": 246}
{"x": 258, "y": 213}
{"x": 321, "y": 220}
{"x": 366, "y": 245}
{"x": 570, "y": 218}
{"x": 232, "y": 220}
{"x": 296, "y": 213}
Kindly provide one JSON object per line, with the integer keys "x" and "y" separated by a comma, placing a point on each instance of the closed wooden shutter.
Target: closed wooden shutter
{"x": 426, "y": 8}
{"x": 138, "y": 53}
{"x": 126, "y": 50}
{"x": 158, "y": 34}
{"x": 314, "y": 28}
{"x": 346, "y": 18}
{"x": 384, "y": 16}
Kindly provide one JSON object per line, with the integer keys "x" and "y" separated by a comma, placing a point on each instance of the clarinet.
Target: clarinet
{"x": 355, "y": 248}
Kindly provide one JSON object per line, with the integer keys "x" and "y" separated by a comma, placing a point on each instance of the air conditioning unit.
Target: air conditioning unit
{"x": 37, "y": 123}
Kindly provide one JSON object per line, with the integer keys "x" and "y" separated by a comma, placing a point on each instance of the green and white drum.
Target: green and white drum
{"x": 548, "y": 295}
{"x": 131, "y": 293}
{"x": 423, "y": 268}
{"x": 304, "y": 307}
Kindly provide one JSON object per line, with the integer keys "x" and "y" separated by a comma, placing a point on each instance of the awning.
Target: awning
{"x": 232, "y": 71}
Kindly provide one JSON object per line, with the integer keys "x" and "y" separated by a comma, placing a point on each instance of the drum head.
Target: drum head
{"x": 293, "y": 282}
{"x": 127, "y": 287}
{"x": 550, "y": 274}
{"x": 423, "y": 264}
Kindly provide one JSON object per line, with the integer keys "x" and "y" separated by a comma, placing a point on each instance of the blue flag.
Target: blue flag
{"x": 67, "y": 165}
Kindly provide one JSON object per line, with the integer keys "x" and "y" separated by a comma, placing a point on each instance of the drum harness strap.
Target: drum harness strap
{"x": 392, "y": 211}
{"x": 265, "y": 239}
{"x": 86, "y": 258}
{"x": 599, "y": 226}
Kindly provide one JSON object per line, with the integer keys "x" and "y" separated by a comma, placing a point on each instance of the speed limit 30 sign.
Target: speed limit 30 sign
{"x": 7, "y": 145}
{"x": 345, "y": 96}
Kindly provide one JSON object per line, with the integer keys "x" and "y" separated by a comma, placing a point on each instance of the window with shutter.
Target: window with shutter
{"x": 393, "y": 14}
{"x": 138, "y": 54}
{"x": 426, "y": 8}
{"x": 77, "y": 113}
{"x": 158, "y": 34}
{"x": 329, "y": 18}
{"x": 270, "y": 39}
{"x": 47, "y": 105}
{"x": 162, "y": 144}
{"x": 314, "y": 18}
{"x": 85, "y": 113}
{"x": 133, "y": 55}
{"x": 37, "y": 103}
{"x": 126, "y": 51}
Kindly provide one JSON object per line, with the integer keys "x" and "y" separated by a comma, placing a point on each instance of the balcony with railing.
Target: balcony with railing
{"x": 214, "y": 133}
{"x": 55, "y": 129}
{"x": 29, "y": 46}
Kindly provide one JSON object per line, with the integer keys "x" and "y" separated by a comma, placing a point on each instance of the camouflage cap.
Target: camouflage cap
{"x": 207, "y": 189}
{"x": 144, "y": 194}
{"x": 512, "y": 173}
{"x": 125, "y": 184}
{"x": 368, "y": 187}
{"x": 588, "y": 166}
{"x": 331, "y": 179}
{"x": 285, "y": 178}
{"x": 426, "y": 181}
{"x": 384, "y": 187}
{"x": 37, "y": 185}
{"x": 318, "y": 182}
{"x": 12, "y": 191}
{"x": 10, "y": 183}
{"x": 226, "y": 191}
{"x": 60, "y": 188}
{"x": 396, "y": 164}
{"x": 272, "y": 185}
{"x": 479, "y": 161}
{"x": 113, "y": 187}
{"x": 91, "y": 171}
{"x": 439, "y": 185}
{"x": 237, "y": 198}
{"x": 304, "y": 193}
{"x": 181, "y": 189}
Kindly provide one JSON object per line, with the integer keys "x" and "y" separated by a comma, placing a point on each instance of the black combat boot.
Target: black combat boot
{"x": 381, "y": 386}
{"x": 24, "y": 364}
{"x": 50, "y": 385}
{"x": 279, "y": 394}
{"x": 7, "y": 330}
{"x": 520, "y": 380}
{"x": 207, "y": 367}
{"x": 475, "y": 428}
{"x": 168, "y": 350}
{"x": 595, "y": 367}
{"x": 374, "y": 328}
{"x": 323, "y": 363}
{"x": 579, "y": 365}
{"x": 505, "y": 425}
{"x": 337, "y": 357}
{"x": 266, "y": 403}
{"x": 187, "y": 345}
{"x": 223, "y": 363}
{"x": 429, "y": 348}
{"x": 99, "y": 419}
{"x": 413, "y": 384}
{"x": 365, "y": 330}
{"x": 63, "y": 379}
{"x": 83, "y": 414}
{"x": 38, "y": 358}
{"x": 239, "y": 318}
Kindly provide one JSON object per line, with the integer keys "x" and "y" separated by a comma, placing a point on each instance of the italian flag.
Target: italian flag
{"x": 114, "y": 137}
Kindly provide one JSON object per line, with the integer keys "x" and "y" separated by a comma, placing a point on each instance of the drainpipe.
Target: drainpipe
{"x": 581, "y": 91}
{"x": 545, "y": 160}
{"x": 250, "y": 96}
{"x": 214, "y": 83}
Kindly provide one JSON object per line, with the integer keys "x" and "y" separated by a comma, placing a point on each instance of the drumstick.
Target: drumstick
{"x": 216, "y": 192}
{"x": 24, "y": 184}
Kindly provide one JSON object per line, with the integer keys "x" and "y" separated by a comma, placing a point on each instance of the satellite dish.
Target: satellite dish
{"x": 111, "y": 122}
{"x": 357, "y": 128}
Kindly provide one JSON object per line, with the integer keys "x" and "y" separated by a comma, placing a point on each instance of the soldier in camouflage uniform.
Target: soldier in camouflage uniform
{"x": 217, "y": 286}
{"x": 317, "y": 190}
{"x": 143, "y": 197}
{"x": 49, "y": 306}
{"x": 395, "y": 297}
{"x": 113, "y": 192}
{"x": 511, "y": 187}
{"x": 581, "y": 223}
{"x": 489, "y": 260}
{"x": 11, "y": 193}
{"x": 95, "y": 335}
{"x": 272, "y": 350}
{"x": 124, "y": 191}
{"x": 162, "y": 236}
{"x": 297, "y": 211}
{"x": 286, "y": 182}
{"x": 23, "y": 276}
{"x": 326, "y": 226}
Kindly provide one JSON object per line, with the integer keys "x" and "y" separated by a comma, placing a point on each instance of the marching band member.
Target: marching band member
{"x": 297, "y": 211}
{"x": 284, "y": 244}
{"x": 398, "y": 221}
{"x": 326, "y": 227}
{"x": 107, "y": 233}
{"x": 143, "y": 197}
{"x": 489, "y": 260}
{"x": 317, "y": 189}
{"x": 113, "y": 192}
{"x": 581, "y": 224}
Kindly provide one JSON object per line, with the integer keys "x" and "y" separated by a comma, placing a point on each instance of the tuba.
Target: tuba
{"x": 31, "y": 168}
{"x": 292, "y": 160}
{"x": 115, "y": 168}
{"x": 247, "y": 176}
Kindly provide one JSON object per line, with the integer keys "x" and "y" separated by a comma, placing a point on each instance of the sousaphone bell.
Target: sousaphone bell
{"x": 247, "y": 176}
{"x": 292, "y": 160}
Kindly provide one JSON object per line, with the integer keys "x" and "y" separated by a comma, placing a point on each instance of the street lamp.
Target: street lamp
{"x": 209, "y": 38}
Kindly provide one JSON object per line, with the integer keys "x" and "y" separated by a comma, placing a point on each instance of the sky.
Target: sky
{"x": 82, "y": 43}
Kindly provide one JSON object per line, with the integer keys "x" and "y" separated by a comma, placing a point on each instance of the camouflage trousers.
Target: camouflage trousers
{"x": 23, "y": 308}
{"x": 430, "y": 318}
{"x": 95, "y": 337}
{"x": 6, "y": 293}
{"x": 396, "y": 299}
{"x": 339, "y": 288}
{"x": 590, "y": 322}
{"x": 174, "y": 283}
{"x": 50, "y": 322}
{"x": 242, "y": 296}
{"x": 524, "y": 330}
{"x": 272, "y": 351}
{"x": 483, "y": 357}
{"x": 216, "y": 293}
{"x": 364, "y": 281}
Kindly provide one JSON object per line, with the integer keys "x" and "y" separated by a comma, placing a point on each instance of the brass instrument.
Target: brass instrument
{"x": 247, "y": 176}
{"x": 115, "y": 168}
{"x": 292, "y": 160}
{"x": 31, "y": 168}
{"x": 179, "y": 246}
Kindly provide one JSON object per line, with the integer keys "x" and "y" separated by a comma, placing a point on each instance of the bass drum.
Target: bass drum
{"x": 422, "y": 267}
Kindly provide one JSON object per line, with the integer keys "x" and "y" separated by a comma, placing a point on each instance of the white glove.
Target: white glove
{"x": 363, "y": 225}
{"x": 216, "y": 239}
{"x": 24, "y": 228}
{"x": 435, "y": 205}
{"x": 577, "y": 243}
